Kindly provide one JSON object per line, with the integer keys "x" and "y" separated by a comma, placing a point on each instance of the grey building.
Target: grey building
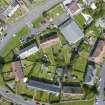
{"x": 90, "y": 75}
{"x": 72, "y": 90}
{"x": 39, "y": 85}
{"x": 71, "y": 31}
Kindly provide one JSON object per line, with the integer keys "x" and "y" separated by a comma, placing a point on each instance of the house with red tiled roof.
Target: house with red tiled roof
{"x": 17, "y": 70}
{"x": 72, "y": 7}
{"x": 48, "y": 41}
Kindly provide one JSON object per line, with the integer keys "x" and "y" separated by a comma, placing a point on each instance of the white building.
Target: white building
{"x": 11, "y": 9}
{"x": 26, "y": 52}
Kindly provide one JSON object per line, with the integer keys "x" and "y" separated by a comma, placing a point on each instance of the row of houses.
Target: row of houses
{"x": 96, "y": 57}
{"x": 68, "y": 90}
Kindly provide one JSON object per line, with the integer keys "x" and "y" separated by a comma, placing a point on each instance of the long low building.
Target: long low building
{"x": 50, "y": 88}
{"x": 27, "y": 51}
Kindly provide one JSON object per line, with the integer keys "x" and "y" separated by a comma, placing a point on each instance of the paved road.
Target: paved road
{"x": 100, "y": 98}
{"x": 16, "y": 99}
{"x": 34, "y": 13}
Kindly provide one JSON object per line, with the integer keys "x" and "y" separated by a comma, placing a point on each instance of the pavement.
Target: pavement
{"x": 16, "y": 99}
{"x": 31, "y": 15}
{"x": 100, "y": 100}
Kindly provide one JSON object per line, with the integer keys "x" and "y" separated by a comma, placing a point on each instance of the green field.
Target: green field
{"x": 56, "y": 11}
{"x": 79, "y": 63}
{"x": 80, "y": 20}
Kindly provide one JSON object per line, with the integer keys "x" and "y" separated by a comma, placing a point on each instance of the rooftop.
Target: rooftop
{"x": 90, "y": 75}
{"x": 17, "y": 70}
{"x": 49, "y": 40}
{"x": 27, "y": 51}
{"x": 72, "y": 6}
{"x": 43, "y": 86}
{"x": 72, "y": 89}
{"x": 71, "y": 31}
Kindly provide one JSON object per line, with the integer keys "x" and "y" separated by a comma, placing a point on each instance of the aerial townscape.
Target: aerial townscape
{"x": 52, "y": 52}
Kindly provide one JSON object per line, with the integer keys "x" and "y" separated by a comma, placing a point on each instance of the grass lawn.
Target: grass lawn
{"x": 77, "y": 103}
{"x": 80, "y": 62}
{"x": 41, "y": 96}
{"x": 4, "y": 3}
{"x": 56, "y": 11}
{"x": 15, "y": 41}
{"x": 22, "y": 89}
{"x": 37, "y": 22}
{"x": 80, "y": 20}
{"x": 49, "y": 52}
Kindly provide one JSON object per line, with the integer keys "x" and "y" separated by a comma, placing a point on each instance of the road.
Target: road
{"x": 100, "y": 98}
{"x": 31, "y": 15}
{"x": 16, "y": 99}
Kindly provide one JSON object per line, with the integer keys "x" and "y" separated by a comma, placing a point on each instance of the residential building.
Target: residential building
{"x": 72, "y": 90}
{"x": 87, "y": 2}
{"x": 98, "y": 52}
{"x": 72, "y": 7}
{"x": 90, "y": 75}
{"x": 39, "y": 85}
{"x": 12, "y": 8}
{"x": 71, "y": 31}
{"x": 100, "y": 22}
{"x": 49, "y": 40}
{"x": 88, "y": 18}
{"x": 17, "y": 70}
{"x": 28, "y": 51}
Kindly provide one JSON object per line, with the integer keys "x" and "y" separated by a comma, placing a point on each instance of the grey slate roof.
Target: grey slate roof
{"x": 90, "y": 75}
{"x": 73, "y": 89}
{"x": 71, "y": 31}
{"x": 33, "y": 84}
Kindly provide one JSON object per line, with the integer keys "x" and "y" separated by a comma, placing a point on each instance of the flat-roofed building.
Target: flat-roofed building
{"x": 48, "y": 41}
{"x": 28, "y": 51}
{"x": 17, "y": 70}
{"x": 39, "y": 85}
{"x": 71, "y": 31}
{"x": 72, "y": 90}
{"x": 72, "y": 7}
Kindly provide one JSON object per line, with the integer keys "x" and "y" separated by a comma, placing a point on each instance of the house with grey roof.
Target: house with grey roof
{"x": 90, "y": 75}
{"x": 43, "y": 86}
{"x": 87, "y": 2}
{"x": 72, "y": 90}
{"x": 28, "y": 51}
{"x": 71, "y": 31}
